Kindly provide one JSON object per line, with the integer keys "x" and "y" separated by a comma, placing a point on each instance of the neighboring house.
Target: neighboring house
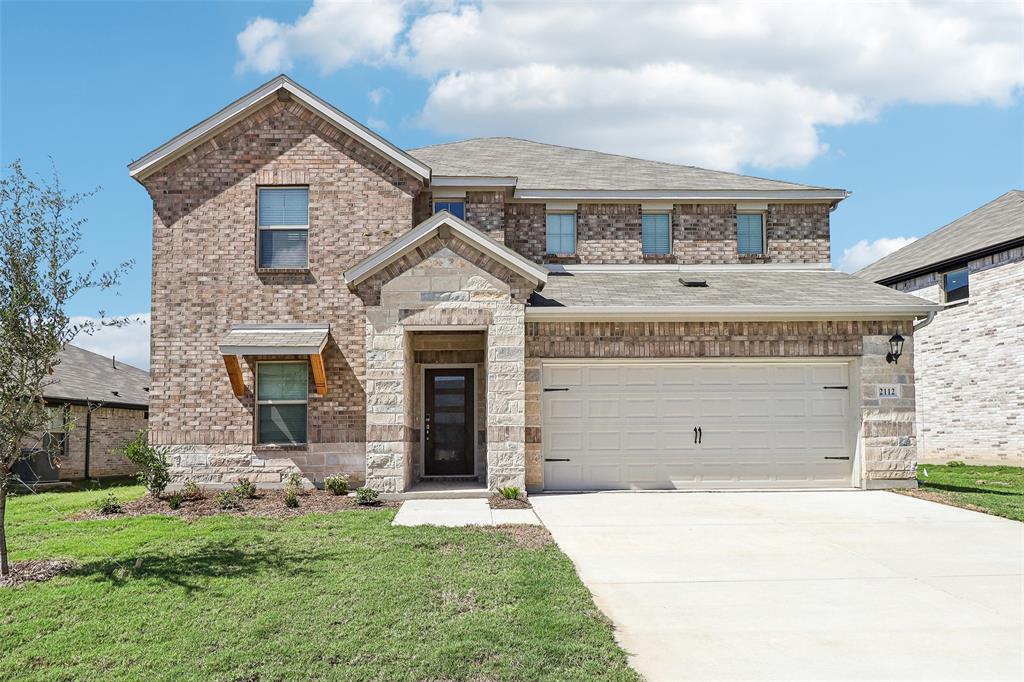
{"x": 506, "y": 311}
{"x": 96, "y": 405}
{"x": 970, "y": 360}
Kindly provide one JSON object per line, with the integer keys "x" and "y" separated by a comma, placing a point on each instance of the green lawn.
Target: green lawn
{"x": 997, "y": 490}
{"x": 331, "y": 596}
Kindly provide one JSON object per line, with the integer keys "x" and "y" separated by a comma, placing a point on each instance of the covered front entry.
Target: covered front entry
{"x": 698, "y": 425}
{"x": 449, "y": 414}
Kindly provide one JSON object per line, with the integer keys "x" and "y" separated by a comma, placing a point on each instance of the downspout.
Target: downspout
{"x": 88, "y": 438}
{"x": 927, "y": 321}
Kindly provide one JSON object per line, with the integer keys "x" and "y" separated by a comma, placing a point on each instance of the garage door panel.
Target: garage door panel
{"x": 631, "y": 425}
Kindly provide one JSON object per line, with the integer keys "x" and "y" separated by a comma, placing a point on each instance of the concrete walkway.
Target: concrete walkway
{"x": 459, "y": 513}
{"x": 799, "y": 585}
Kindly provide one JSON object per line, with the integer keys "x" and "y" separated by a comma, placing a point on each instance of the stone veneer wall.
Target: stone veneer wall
{"x": 887, "y": 432}
{"x": 447, "y": 284}
{"x": 205, "y": 280}
{"x": 970, "y": 364}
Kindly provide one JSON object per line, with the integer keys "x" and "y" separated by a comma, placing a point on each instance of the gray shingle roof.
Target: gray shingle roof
{"x": 726, "y": 288}
{"x": 84, "y": 375}
{"x": 997, "y": 222}
{"x": 548, "y": 166}
{"x": 274, "y": 340}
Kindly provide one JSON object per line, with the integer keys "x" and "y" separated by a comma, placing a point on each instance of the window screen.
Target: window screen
{"x": 750, "y": 232}
{"x": 657, "y": 233}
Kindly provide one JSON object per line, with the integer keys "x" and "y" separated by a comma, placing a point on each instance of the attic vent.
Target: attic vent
{"x": 693, "y": 282}
{"x": 117, "y": 393}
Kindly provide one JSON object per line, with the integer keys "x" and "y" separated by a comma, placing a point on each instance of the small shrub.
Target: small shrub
{"x": 336, "y": 485}
{"x": 295, "y": 483}
{"x": 291, "y": 498}
{"x": 509, "y": 492}
{"x": 191, "y": 491}
{"x": 109, "y": 505}
{"x": 245, "y": 489}
{"x": 229, "y": 499}
{"x": 154, "y": 469}
{"x": 174, "y": 501}
{"x": 955, "y": 463}
{"x": 366, "y": 496}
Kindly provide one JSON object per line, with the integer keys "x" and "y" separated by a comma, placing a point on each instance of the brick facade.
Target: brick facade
{"x": 886, "y": 440}
{"x": 970, "y": 360}
{"x": 104, "y": 434}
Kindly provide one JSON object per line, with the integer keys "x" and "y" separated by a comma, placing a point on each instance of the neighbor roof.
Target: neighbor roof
{"x": 84, "y": 376}
{"x": 538, "y": 166}
{"x": 275, "y": 339}
{"x": 259, "y": 97}
{"x": 734, "y": 293}
{"x": 999, "y": 222}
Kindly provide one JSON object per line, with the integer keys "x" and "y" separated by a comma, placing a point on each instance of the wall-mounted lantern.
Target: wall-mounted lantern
{"x": 895, "y": 348}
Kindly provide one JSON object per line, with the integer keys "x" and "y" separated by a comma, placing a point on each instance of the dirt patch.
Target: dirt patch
{"x": 499, "y": 502}
{"x": 268, "y": 503}
{"x": 529, "y": 537}
{"x": 35, "y": 571}
{"x": 942, "y": 498}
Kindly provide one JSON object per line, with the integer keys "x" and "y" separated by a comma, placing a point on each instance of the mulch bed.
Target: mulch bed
{"x": 267, "y": 503}
{"x": 35, "y": 571}
{"x": 499, "y": 502}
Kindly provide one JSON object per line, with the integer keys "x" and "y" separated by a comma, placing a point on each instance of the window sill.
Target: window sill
{"x": 282, "y": 271}
{"x": 956, "y": 304}
{"x": 274, "y": 447}
{"x": 659, "y": 257}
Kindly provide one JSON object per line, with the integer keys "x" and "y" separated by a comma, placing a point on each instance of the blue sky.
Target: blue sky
{"x": 95, "y": 85}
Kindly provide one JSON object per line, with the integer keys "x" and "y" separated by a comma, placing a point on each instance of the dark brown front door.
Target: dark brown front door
{"x": 448, "y": 422}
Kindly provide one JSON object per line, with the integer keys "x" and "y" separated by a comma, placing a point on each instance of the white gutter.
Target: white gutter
{"x": 683, "y": 195}
{"x": 927, "y": 321}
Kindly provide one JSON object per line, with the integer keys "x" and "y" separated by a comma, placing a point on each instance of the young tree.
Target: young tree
{"x": 39, "y": 275}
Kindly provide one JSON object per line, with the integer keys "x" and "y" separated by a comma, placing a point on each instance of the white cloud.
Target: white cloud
{"x": 378, "y": 124}
{"x": 719, "y": 84}
{"x": 377, "y": 95}
{"x": 865, "y": 253}
{"x": 128, "y": 344}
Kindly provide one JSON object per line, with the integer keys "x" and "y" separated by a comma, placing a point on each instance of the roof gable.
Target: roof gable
{"x": 242, "y": 107}
{"x": 437, "y": 224}
{"x": 999, "y": 222}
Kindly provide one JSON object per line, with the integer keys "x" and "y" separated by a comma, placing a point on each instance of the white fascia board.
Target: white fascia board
{"x": 270, "y": 350}
{"x": 426, "y": 230}
{"x": 195, "y": 135}
{"x": 714, "y": 313}
{"x": 685, "y": 195}
{"x": 472, "y": 181}
{"x": 669, "y": 267}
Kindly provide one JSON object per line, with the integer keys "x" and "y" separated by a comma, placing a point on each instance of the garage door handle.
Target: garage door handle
{"x": 694, "y": 435}
{"x": 548, "y": 390}
{"x": 557, "y": 460}
{"x": 837, "y": 458}
{"x": 700, "y": 435}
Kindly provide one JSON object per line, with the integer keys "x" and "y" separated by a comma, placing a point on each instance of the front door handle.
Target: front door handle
{"x": 700, "y": 435}
{"x": 694, "y": 435}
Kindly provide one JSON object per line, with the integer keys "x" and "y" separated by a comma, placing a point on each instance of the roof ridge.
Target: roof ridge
{"x": 621, "y": 156}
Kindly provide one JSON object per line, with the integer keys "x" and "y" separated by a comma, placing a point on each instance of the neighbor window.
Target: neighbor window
{"x": 456, "y": 208}
{"x": 283, "y": 227}
{"x": 657, "y": 234}
{"x": 561, "y": 233}
{"x": 954, "y": 284}
{"x": 281, "y": 395}
{"x": 750, "y": 233}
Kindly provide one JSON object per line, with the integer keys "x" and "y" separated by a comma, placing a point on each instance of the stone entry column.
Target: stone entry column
{"x": 388, "y": 403}
{"x": 506, "y": 397}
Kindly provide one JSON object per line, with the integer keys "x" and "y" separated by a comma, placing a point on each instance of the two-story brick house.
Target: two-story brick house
{"x": 970, "y": 361}
{"x": 508, "y": 312}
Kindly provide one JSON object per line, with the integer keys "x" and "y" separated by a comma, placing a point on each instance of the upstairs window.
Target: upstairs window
{"x": 282, "y": 391}
{"x": 657, "y": 234}
{"x": 283, "y": 227}
{"x": 456, "y": 208}
{"x": 750, "y": 233}
{"x": 561, "y": 233}
{"x": 955, "y": 285}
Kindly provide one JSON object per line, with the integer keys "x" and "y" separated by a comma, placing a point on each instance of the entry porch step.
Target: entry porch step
{"x": 441, "y": 490}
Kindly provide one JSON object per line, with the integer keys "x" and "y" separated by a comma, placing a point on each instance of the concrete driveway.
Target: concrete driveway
{"x": 799, "y": 585}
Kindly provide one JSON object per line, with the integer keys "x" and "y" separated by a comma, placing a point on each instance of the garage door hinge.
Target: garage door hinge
{"x": 557, "y": 460}
{"x": 546, "y": 390}
{"x": 837, "y": 458}
{"x": 838, "y": 388}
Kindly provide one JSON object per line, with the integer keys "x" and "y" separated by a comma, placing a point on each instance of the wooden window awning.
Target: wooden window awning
{"x": 281, "y": 339}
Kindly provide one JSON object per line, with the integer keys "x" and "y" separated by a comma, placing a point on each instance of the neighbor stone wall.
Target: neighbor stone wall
{"x": 887, "y": 439}
{"x": 206, "y": 280}
{"x": 970, "y": 364}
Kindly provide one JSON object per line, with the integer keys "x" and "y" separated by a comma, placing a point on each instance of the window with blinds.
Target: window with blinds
{"x": 282, "y": 391}
{"x": 561, "y": 236}
{"x": 657, "y": 234}
{"x": 283, "y": 227}
{"x": 456, "y": 208}
{"x": 750, "y": 233}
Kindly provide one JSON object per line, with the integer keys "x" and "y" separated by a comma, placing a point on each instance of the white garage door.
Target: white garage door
{"x": 697, "y": 426}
